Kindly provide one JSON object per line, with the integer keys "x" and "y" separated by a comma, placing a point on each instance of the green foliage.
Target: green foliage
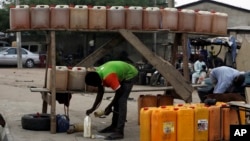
{"x": 4, "y": 18}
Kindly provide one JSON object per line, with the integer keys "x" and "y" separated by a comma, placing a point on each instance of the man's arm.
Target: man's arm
{"x": 98, "y": 100}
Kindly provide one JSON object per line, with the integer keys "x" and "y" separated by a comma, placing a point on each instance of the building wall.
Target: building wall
{"x": 236, "y": 17}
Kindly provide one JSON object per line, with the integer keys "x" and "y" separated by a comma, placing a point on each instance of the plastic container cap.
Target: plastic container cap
{"x": 170, "y": 9}
{"x": 22, "y": 6}
{"x": 152, "y": 9}
{"x": 99, "y": 7}
{"x": 62, "y": 6}
{"x": 42, "y": 6}
{"x": 81, "y": 6}
{"x": 116, "y": 7}
{"x": 135, "y": 8}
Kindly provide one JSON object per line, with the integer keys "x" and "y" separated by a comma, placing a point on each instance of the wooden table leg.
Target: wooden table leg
{"x": 45, "y": 104}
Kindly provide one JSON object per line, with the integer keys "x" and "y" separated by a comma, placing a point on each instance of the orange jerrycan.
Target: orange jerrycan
{"x": 40, "y": 17}
{"x": 20, "y": 17}
{"x": 146, "y": 101}
{"x": 163, "y": 124}
{"x": 134, "y": 17}
{"x": 169, "y": 17}
{"x": 59, "y": 17}
{"x": 214, "y": 124}
{"x": 98, "y": 17}
{"x": 145, "y": 120}
{"x": 185, "y": 124}
{"x": 151, "y": 18}
{"x": 116, "y": 17}
{"x": 201, "y": 115}
{"x": 79, "y": 17}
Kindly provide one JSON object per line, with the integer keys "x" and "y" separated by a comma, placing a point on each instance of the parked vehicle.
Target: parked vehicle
{"x": 4, "y": 44}
{"x": 8, "y": 56}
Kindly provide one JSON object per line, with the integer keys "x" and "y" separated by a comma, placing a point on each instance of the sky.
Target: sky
{"x": 239, "y": 3}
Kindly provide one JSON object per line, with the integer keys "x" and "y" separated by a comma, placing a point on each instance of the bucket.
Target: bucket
{"x": 61, "y": 78}
{"x": 97, "y": 17}
{"x": 214, "y": 123}
{"x": 163, "y": 124}
{"x": 219, "y": 23}
{"x": 201, "y": 118}
{"x": 203, "y": 21}
{"x": 185, "y": 134}
{"x": 169, "y": 17}
{"x": 134, "y": 18}
{"x": 145, "y": 126}
{"x": 59, "y": 17}
{"x": 116, "y": 17}
{"x": 186, "y": 20}
{"x": 79, "y": 17}
{"x": 151, "y": 18}
{"x": 40, "y": 17}
{"x": 146, "y": 101}
{"x": 20, "y": 17}
{"x": 76, "y": 78}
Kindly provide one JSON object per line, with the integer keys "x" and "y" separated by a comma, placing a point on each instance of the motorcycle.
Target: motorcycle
{"x": 157, "y": 79}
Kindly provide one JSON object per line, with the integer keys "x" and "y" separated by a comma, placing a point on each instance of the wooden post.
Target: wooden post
{"x": 45, "y": 104}
{"x": 174, "y": 49}
{"x": 53, "y": 84}
{"x": 185, "y": 57}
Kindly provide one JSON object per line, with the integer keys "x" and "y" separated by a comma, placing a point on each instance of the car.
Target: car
{"x": 8, "y": 56}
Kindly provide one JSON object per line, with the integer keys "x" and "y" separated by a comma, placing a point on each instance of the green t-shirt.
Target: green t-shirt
{"x": 113, "y": 72}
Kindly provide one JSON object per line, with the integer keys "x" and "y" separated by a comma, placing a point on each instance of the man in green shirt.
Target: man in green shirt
{"x": 119, "y": 76}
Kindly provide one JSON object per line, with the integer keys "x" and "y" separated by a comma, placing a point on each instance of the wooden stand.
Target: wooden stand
{"x": 179, "y": 83}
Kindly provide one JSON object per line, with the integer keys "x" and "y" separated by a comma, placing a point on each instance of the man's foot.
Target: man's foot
{"x": 114, "y": 136}
{"x": 109, "y": 129}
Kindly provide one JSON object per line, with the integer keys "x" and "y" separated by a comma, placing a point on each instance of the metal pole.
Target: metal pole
{"x": 18, "y": 43}
{"x": 155, "y": 36}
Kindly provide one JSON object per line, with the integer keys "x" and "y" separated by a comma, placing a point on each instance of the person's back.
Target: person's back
{"x": 124, "y": 70}
{"x": 222, "y": 77}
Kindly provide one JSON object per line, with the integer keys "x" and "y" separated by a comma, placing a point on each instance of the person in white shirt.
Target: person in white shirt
{"x": 199, "y": 67}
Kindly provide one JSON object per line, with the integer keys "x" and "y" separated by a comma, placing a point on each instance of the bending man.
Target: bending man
{"x": 119, "y": 76}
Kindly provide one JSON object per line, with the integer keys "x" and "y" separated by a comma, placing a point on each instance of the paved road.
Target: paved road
{"x": 17, "y": 100}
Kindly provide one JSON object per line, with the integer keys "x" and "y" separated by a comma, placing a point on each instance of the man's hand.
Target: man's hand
{"x": 108, "y": 110}
{"x": 89, "y": 111}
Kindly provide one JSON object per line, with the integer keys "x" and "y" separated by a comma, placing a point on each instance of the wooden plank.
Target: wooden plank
{"x": 247, "y": 94}
{"x": 168, "y": 71}
{"x": 100, "y": 52}
{"x": 240, "y": 104}
{"x": 39, "y": 90}
{"x": 134, "y": 89}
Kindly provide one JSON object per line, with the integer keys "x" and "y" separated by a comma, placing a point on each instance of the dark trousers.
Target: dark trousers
{"x": 203, "y": 92}
{"x": 120, "y": 107}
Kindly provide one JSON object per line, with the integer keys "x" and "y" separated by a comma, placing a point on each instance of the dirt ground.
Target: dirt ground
{"x": 17, "y": 100}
